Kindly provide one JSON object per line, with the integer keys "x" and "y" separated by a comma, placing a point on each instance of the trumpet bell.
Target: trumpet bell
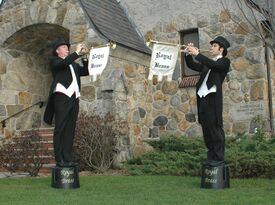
{"x": 148, "y": 43}
{"x": 112, "y": 45}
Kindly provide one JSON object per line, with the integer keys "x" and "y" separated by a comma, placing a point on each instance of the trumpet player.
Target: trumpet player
{"x": 209, "y": 95}
{"x": 63, "y": 101}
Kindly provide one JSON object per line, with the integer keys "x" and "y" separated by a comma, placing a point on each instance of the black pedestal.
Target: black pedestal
{"x": 65, "y": 177}
{"x": 215, "y": 177}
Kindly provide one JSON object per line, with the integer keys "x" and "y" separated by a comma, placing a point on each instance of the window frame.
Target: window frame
{"x": 188, "y": 80}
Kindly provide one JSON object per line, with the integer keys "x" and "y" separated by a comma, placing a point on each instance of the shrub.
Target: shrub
{"x": 173, "y": 156}
{"x": 247, "y": 156}
{"x": 183, "y": 144}
{"x": 24, "y": 153}
{"x": 165, "y": 163}
{"x": 251, "y": 156}
{"x": 95, "y": 142}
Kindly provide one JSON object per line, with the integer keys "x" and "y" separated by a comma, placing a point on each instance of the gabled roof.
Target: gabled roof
{"x": 111, "y": 22}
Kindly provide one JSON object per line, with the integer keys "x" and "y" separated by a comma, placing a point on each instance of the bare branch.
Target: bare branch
{"x": 257, "y": 33}
{"x": 258, "y": 25}
{"x": 252, "y": 4}
{"x": 95, "y": 142}
{"x": 245, "y": 16}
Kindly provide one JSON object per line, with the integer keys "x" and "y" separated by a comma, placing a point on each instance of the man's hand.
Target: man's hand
{"x": 192, "y": 50}
{"x": 80, "y": 48}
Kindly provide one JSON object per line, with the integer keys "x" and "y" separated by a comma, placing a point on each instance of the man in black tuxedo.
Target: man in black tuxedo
{"x": 209, "y": 95}
{"x": 63, "y": 102}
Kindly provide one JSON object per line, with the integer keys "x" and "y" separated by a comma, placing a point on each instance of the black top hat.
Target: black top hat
{"x": 221, "y": 41}
{"x": 58, "y": 42}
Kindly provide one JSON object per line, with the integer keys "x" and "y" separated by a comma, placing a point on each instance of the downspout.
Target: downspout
{"x": 268, "y": 65}
{"x": 270, "y": 101}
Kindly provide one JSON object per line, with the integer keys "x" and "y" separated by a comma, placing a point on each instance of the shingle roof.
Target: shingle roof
{"x": 111, "y": 22}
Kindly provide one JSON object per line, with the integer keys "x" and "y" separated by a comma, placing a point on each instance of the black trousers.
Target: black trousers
{"x": 66, "y": 112}
{"x": 213, "y": 133}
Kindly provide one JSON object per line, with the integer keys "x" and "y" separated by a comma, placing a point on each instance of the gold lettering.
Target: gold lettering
{"x": 211, "y": 181}
{"x": 211, "y": 172}
{"x": 66, "y": 173}
{"x": 67, "y": 181}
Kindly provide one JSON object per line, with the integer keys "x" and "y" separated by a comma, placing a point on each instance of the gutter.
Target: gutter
{"x": 270, "y": 100}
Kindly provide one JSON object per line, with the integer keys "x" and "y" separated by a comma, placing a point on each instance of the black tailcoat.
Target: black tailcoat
{"x": 219, "y": 70}
{"x": 210, "y": 106}
{"x": 61, "y": 74}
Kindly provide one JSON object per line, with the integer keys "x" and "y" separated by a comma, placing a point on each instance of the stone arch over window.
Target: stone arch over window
{"x": 25, "y": 74}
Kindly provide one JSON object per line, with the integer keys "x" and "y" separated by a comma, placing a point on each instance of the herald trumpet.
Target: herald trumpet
{"x": 149, "y": 42}
{"x": 86, "y": 51}
{"x": 111, "y": 44}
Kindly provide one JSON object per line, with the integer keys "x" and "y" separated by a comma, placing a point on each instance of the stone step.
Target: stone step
{"x": 49, "y": 158}
{"x": 44, "y": 133}
{"x": 46, "y": 143}
{"x": 45, "y": 169}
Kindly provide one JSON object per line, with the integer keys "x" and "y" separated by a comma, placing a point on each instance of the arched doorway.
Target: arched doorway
{"x": 25, "y": 75}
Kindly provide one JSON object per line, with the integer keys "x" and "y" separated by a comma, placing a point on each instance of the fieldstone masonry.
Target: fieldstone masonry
{"x": 143, "y": 109}
{"x": 245, "y": 85}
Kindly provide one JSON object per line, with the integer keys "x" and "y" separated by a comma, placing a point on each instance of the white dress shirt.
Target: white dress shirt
{"x": 204, "y": 91}
{"x": 73, "y": 88}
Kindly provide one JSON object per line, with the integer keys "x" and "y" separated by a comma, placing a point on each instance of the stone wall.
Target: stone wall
{"x": 143, "y": 109}
{"x": 245, "y": 89}
{"x": 27, "y": 29}
{"x": 24, "y": 83}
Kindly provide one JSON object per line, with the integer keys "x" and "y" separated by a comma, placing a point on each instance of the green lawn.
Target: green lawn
{"x": 139, "y": 190}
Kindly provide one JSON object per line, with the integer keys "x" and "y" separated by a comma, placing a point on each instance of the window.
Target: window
{"x": 189, "y": 77}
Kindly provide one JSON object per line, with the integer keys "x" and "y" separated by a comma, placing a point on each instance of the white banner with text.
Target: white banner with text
{"x": 98, "y": 60}
{"x": 163, "y": 61}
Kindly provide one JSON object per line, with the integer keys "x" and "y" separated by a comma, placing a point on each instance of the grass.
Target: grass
{"x": 136, "y": 190}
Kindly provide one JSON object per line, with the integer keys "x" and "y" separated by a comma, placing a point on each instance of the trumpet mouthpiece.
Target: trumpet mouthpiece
{"x": 112, "y": 45}
{"x": 148, "y": 43}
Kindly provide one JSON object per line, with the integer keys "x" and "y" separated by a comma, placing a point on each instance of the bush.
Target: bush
{"x": 95, "y": 142}
{"x": 173, "y": 156}
{"x": 165, "y": 163}
{"x": 193, "y": 146}
{"x": 247, "y": 156}
{"x": 251, "y": 156}
{"x": 24, "y": 153}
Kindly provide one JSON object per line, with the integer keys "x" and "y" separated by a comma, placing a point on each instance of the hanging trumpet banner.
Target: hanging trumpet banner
{"x": 163, "y": 61}
{"x": 98, "y": 59}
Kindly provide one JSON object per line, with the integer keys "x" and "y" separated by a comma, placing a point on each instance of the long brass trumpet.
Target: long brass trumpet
{"x": 111, "y": 44}
{"x": 150, "y": 41}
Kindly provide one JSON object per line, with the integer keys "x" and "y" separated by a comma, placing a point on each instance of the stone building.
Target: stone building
{"x": 142, "y": 109}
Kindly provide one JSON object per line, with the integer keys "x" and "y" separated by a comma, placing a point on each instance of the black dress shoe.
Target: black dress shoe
{"x": 206, "y": 162}
{"x": 61, "y": 164}
{"x": 213, "y": 163}
{"x": 66, "y": 164}
{"x": 71, "y": 164}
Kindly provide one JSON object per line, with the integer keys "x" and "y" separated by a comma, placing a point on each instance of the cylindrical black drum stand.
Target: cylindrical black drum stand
{"x": 215, "y": 177}
{"x": 65, "y": 177}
